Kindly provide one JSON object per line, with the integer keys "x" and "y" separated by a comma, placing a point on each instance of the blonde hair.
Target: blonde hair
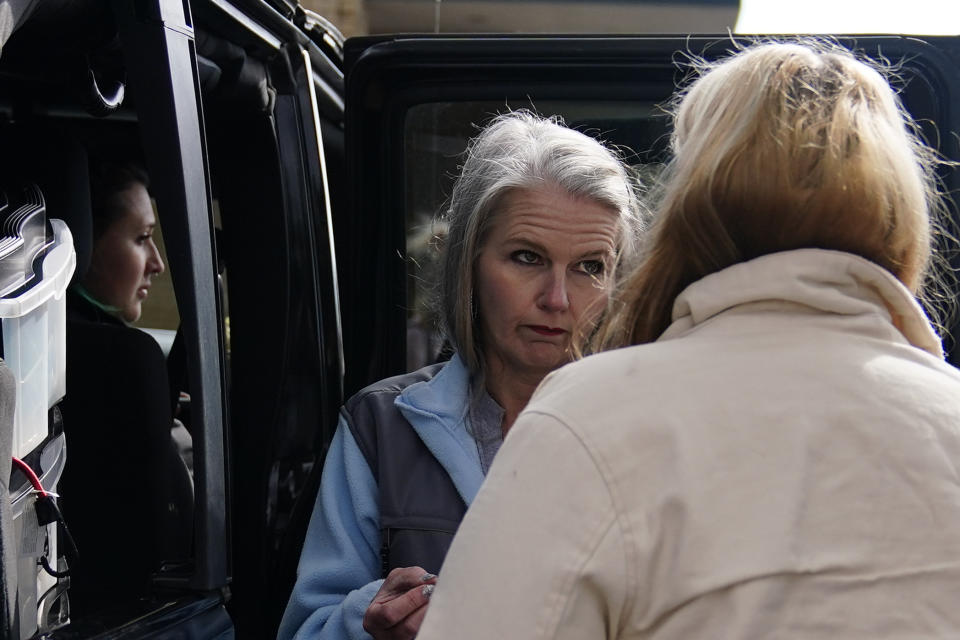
{"x": 781, "y": 146}
{"x": 520, "y": 150}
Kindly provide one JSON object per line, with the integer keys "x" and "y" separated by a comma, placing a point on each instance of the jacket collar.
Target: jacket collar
{"x": 444, "y": 396}
{"x": 437, "y": 410}
{"x": 81, "y": 308}
{"x": 829, "y": 281}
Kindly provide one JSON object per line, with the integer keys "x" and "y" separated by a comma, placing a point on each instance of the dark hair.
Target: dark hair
{"x": 107, "y": 180}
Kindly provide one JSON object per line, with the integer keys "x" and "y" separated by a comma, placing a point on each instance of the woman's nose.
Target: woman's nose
{"x": 554, "y": 295}
{"x": 155, "y": 265}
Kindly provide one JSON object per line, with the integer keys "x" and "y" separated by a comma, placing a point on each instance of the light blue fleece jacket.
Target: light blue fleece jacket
{"x": 339, "y": 570}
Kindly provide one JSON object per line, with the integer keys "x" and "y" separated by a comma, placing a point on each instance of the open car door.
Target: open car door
{"x": 413, "y": 101}
{"x": 237, "y": 109}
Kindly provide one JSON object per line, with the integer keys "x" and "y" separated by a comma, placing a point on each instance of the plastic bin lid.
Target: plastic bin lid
{"x": 25, "y": 238}
{"x": 59, "y": 263}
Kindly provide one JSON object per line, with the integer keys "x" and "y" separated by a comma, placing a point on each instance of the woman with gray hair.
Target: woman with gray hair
{"x": 539, "y": 218}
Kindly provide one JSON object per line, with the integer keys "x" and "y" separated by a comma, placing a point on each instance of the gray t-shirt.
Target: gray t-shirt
{"x": 486, "y": 427}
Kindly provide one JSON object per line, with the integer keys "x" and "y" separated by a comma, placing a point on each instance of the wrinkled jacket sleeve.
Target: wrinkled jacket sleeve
{"x": 339, "y": 568}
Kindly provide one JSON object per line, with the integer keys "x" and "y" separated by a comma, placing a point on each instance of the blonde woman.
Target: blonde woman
{"x": 779, "y": 454}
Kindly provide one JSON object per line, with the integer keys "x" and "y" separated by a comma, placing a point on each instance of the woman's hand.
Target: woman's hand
{"x": 400, "y": 605}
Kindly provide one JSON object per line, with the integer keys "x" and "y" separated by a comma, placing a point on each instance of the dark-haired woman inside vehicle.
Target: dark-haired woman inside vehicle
{"x": 538, "y": 220}
{"x": 128, "y": 497}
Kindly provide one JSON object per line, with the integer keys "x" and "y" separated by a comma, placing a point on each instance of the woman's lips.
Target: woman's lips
{"x": 547, "y": 331}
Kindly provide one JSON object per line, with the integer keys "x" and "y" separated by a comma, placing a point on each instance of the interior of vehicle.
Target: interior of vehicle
{"x": 67, "y": 95}
{"x": 251, "y": 332}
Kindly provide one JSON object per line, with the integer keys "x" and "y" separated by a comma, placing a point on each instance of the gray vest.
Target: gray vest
{"x": 420, "y": 508}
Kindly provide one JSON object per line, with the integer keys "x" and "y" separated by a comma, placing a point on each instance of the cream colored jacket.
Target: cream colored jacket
{"x": 783, "y": 463}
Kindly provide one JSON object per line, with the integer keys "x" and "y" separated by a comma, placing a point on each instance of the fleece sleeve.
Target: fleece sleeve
{"x": 339, "y": 568}
{"x": 544, "y": 508}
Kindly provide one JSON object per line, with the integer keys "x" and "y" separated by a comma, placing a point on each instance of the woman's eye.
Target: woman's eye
{"x": 143, "y": 238}
{"x": 592, "y": 267}
{"x": 526, "y": 257}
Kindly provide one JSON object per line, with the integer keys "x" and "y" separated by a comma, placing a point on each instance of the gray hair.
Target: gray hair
{"x": 520, "y": 150}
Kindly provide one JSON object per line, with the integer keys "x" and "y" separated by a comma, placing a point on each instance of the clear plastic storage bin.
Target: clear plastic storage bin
{"x": 34, "y": 329}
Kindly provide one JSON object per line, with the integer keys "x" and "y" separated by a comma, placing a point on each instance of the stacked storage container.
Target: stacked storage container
{"x": 37, "y": 260}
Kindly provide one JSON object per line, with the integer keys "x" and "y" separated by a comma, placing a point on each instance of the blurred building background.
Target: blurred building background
{"x": 357, "y": 17}
{"x": 348, "y": 15}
